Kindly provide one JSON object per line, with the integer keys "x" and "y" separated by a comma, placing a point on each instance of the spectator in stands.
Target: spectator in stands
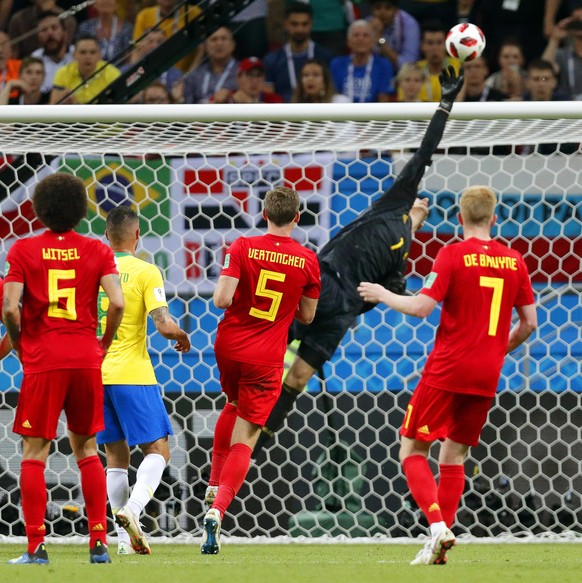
{"x": 114, "y": 35}
{"x": 511, "y": 77}
{"x": 28, "y": 86}
{"x": 398, "y": 33}
{"x": 316, "y": 85}
{"x": 170, "y": 19}
{"x": 542, "y": 84}
{"x": 363, "y": 76}
{"x": 156, "y": 93}
{"x": 54, "y": 50}
{"x": 250, "y": 27}
{"x": 217, "y": 74}
{"x": 282, "y": 66}
{"x": 409, "y": 81}
{"x": 21, "y": 25}
{"x": 475, "y": 89}
{"x": 172, "y": 77}
{"x": 9, "y": 67}
{"x": 568, "y": 59}
{"x": 250, "y": 79}
{"x": 435, "y": 59}
{"x": 523, "y": 20}
{"x": 84, "y": 78}
{"x": 330, "y": 23}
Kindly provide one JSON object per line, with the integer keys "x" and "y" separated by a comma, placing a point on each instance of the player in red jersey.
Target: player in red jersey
{"x": 5, "y": 344}
{"x": 58, "y": 274}
{"x": 479, "y": 281}
{"x": 266, "y": 282}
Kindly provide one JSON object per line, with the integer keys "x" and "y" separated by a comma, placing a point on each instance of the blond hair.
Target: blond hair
{"x": 477, "y": 205}
{"x": 281, "y": 205}
{"x": 411, "y": 69}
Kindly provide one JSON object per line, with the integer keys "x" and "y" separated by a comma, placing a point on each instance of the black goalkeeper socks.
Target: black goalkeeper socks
{"x": 280, "y": 411}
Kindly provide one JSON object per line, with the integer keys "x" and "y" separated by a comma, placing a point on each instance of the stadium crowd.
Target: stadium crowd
{"x": 291, "y": 50}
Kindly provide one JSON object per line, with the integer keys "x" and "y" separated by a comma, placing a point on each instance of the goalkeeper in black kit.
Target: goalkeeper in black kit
{"x": 374, "y": 247}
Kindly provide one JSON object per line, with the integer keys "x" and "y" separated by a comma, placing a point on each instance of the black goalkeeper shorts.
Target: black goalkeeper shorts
{"x": 333, "y": 318}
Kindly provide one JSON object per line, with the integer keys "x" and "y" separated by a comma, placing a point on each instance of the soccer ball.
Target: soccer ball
{"x": 465, "y": 42}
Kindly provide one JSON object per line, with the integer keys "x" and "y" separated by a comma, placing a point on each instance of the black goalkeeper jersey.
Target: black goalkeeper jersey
{"x": 375, "y": 246}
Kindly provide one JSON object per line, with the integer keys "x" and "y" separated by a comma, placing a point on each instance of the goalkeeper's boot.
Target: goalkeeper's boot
{"x": 435, "y": 550}
{"x": 211, "y": 533}
{"x": 125, "y": 548}
{"x": 210, "y": 495}
{"x": 39, "y": 557}
{"x": 127, "y": 520}
{"x": 99, "y": 554}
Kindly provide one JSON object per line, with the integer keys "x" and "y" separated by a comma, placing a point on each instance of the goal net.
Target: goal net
{"x": 197, "y": 175}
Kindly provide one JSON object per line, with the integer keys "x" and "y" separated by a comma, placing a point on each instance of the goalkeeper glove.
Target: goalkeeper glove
{"x": 451, "y": 85}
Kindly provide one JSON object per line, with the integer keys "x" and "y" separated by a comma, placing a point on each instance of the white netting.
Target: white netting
{"x": 198, "y": 182}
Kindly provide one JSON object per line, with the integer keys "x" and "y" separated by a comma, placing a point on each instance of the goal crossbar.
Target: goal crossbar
{"x": 180, "y": 129}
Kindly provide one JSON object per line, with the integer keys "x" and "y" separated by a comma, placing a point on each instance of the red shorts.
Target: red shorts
{"x": 436, "y": 414}
{"x": 255, "y": 387}
{"x": 43, "y": 395}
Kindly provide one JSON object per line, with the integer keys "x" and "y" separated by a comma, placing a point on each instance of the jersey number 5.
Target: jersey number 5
{"x": 263, "y": 292}
{"x": 497, "y": 284}
{"x": 58, "y": 295}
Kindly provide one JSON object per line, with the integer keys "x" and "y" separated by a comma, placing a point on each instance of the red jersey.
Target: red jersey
{"x": 479, "y": 283}
{"x": 274, "y": 273}
{"x": 61, "y": 274}
{"x": 1, "y": 296}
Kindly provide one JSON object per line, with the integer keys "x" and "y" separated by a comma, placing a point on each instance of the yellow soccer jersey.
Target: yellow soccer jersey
{"x": 128, "y": 362}
{"x": 431, "y": 90}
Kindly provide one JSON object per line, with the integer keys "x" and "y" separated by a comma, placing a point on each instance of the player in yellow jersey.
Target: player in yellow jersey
{"x": 134, "y": 410}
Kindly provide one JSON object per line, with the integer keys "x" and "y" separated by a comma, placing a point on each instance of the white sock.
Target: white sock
{"x": 436, "y": 528}
{"x": 118, "y": 494}
{"x": 149, "y": 475}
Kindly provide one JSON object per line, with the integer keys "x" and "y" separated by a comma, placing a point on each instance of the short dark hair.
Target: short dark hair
{"x": 281, "y": 205}
{"x": 60, "y": 201}
{"x": 542, "y": 65}
{"x": 395, "y": 3}
{"x": 433, "y": 25}
{"x": 49, "y": 14}
{"x": 119, "y": 221}
{"x": 87, "y": 37}
{"x": 27, "y": 61}
{"x": 298, "y": 7}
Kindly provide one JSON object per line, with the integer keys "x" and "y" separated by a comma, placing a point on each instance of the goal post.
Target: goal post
{"x": 197, "y": 176}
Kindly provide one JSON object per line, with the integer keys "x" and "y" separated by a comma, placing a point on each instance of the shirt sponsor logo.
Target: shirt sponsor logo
{"x": 430, "y": 280}
{"x": 160, "y": 294}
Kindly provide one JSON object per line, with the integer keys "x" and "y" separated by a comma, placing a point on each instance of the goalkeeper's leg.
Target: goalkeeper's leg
{"x": 297, "y": 377}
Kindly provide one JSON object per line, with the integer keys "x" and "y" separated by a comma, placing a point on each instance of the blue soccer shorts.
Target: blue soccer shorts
{"x": 135, "y": 413}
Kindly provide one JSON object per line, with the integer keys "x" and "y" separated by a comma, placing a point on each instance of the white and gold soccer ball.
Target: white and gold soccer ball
{"x": 465, "y": 42}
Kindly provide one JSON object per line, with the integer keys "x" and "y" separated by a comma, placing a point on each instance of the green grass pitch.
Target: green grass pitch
{"x": 356, "y": 563}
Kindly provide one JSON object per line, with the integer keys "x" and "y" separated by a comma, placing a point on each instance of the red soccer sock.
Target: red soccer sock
{"x": 93, "y": 484}
{"x": 233, "y": 475}
{"x": 450, "y": 489}
{"x": 221, "y": 444}
{"x": 34, "y": 498}
{"x": 422, "y": 486}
